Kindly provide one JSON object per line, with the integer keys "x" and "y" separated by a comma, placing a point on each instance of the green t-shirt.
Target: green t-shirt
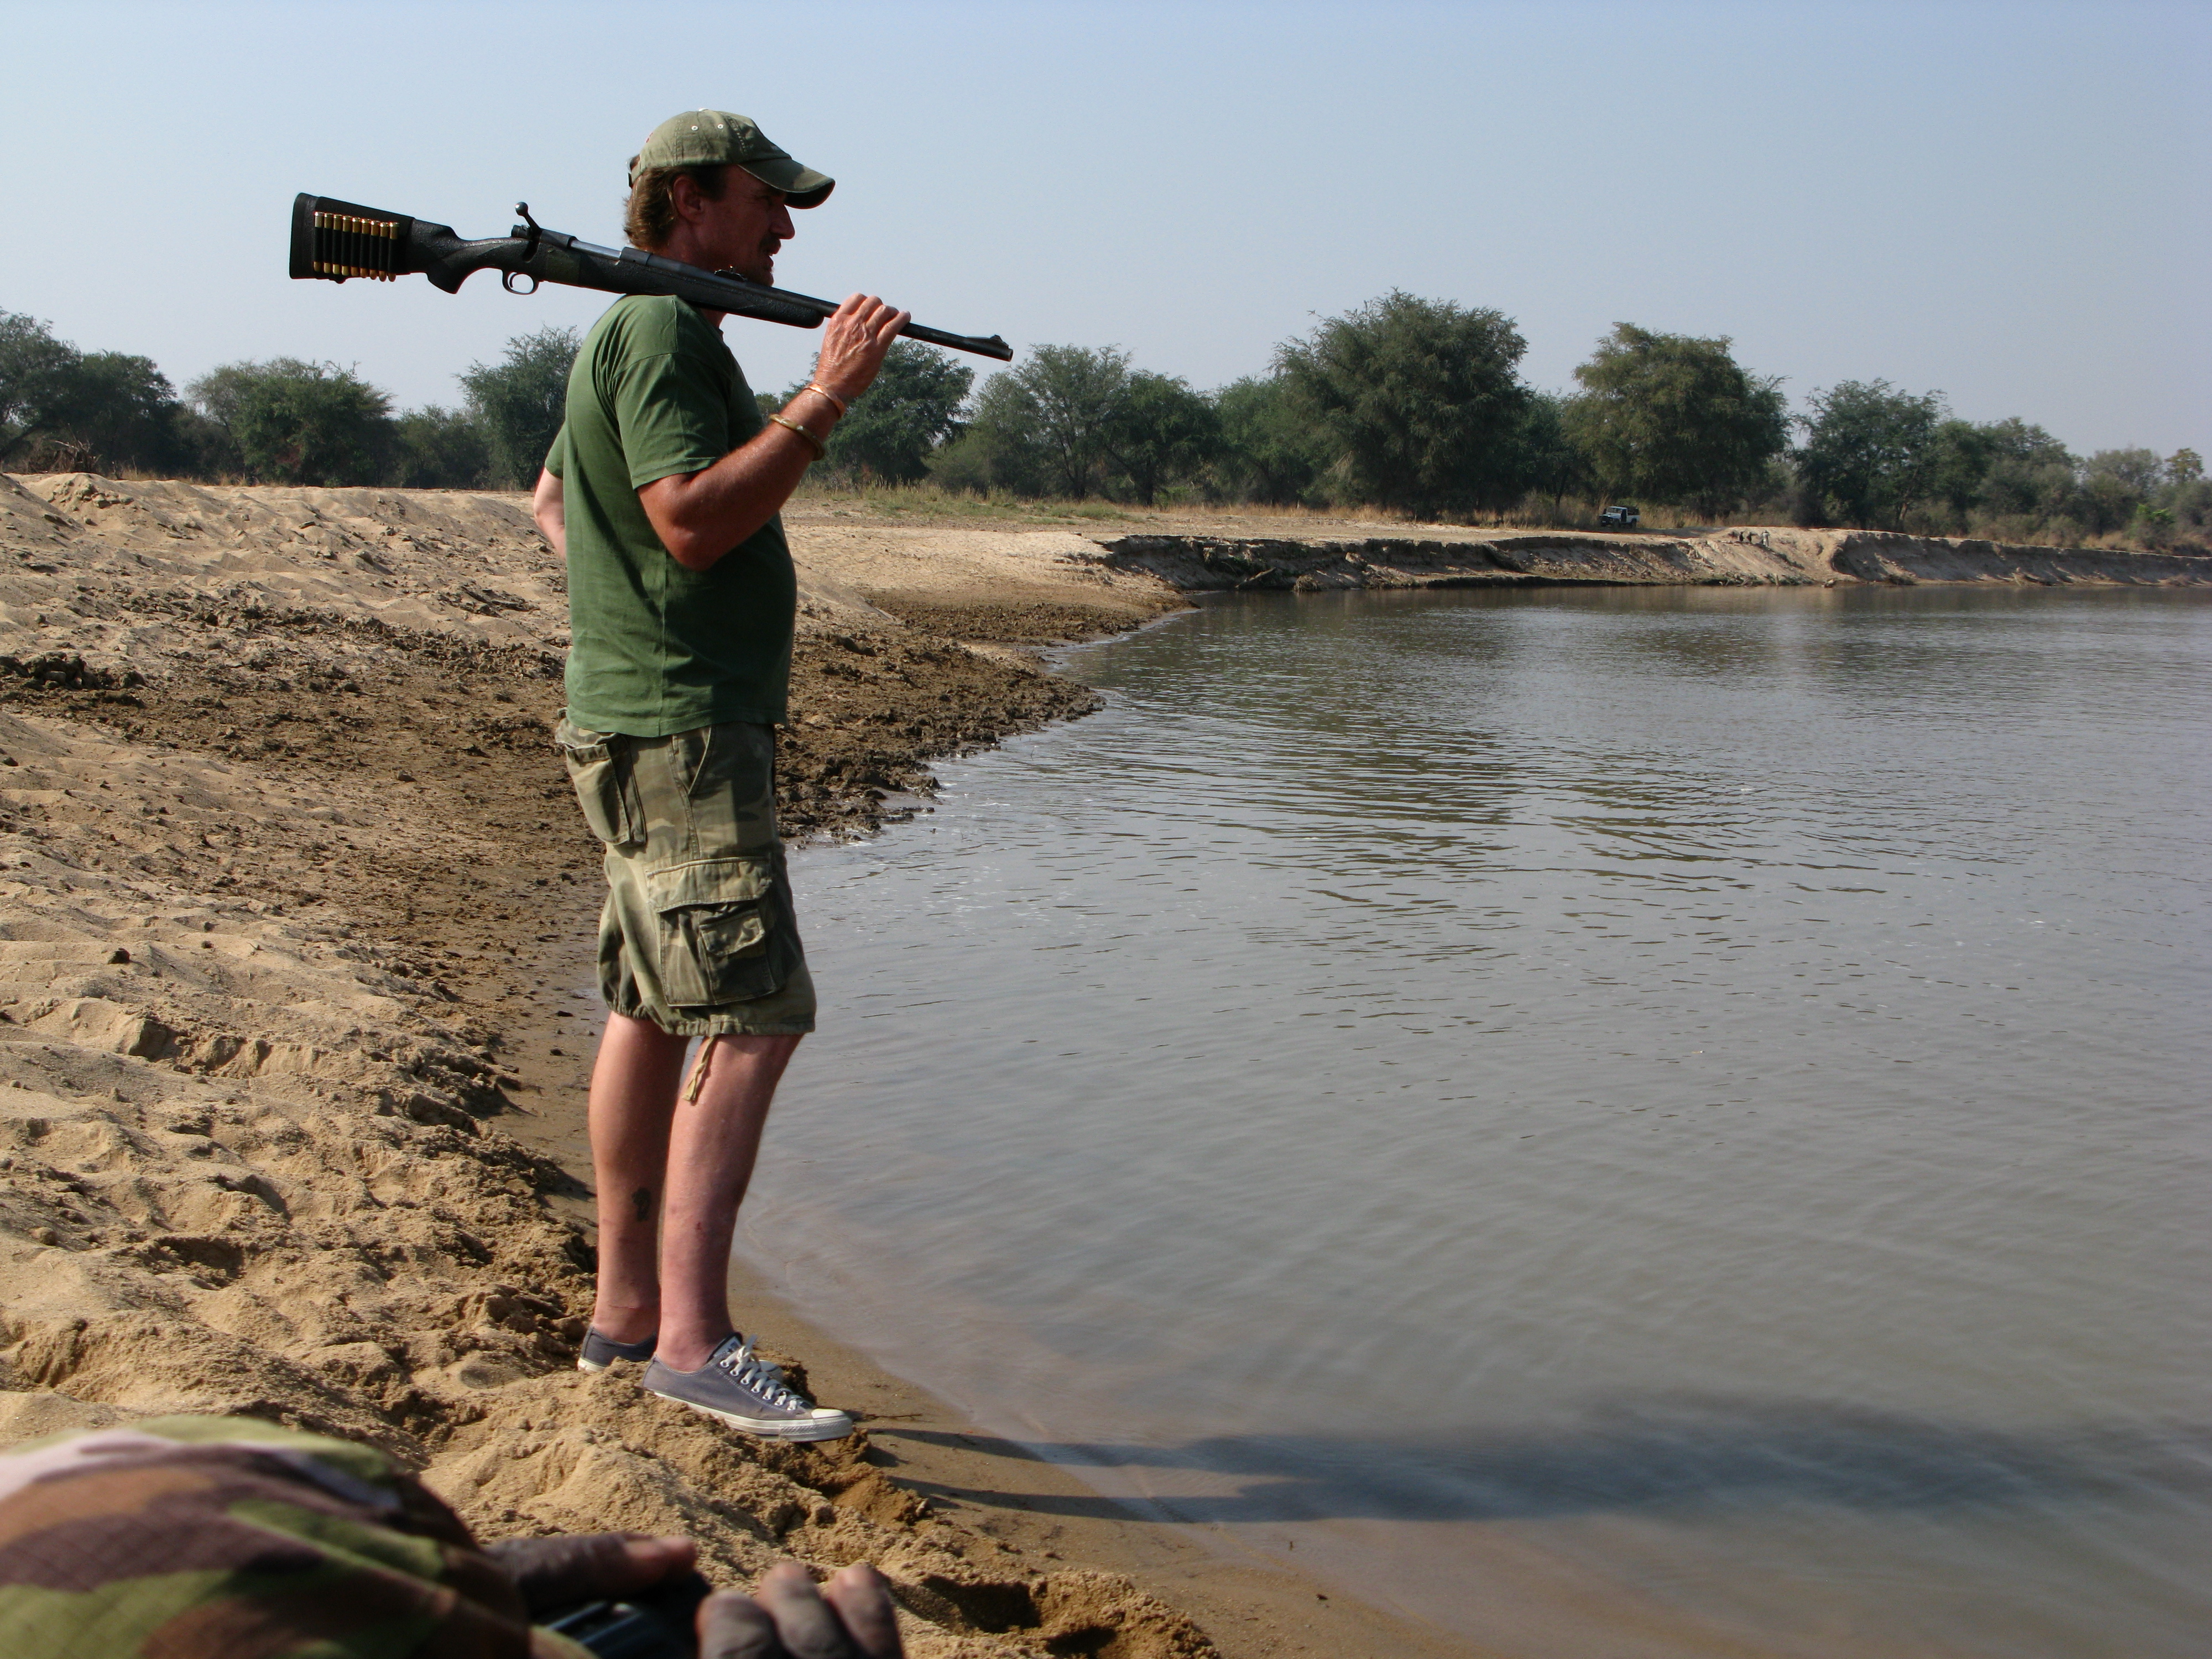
{"x": 652, "y": 647}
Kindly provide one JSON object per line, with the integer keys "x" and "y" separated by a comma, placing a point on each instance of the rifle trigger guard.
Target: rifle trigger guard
{"x": 529, "y": 252}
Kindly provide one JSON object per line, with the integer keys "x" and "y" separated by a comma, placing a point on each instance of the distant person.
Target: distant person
{"x": 225, "y": 1538}
{"x": 662, "y": 491}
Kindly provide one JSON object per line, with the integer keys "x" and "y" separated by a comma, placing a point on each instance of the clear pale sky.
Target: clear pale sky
{"x": 2004, "y": 202}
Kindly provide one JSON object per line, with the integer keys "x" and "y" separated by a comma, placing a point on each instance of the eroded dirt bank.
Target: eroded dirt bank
{"x": 1200, "y": 562}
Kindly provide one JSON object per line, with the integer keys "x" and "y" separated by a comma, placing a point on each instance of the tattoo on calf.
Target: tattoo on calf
{"x": 640, "y": 1205}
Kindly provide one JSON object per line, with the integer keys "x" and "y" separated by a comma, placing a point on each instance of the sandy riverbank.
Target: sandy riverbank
{"x": 291, "y": 903}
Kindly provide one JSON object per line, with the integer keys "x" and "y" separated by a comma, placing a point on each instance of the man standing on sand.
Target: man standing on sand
{"x": 662, "y": 490}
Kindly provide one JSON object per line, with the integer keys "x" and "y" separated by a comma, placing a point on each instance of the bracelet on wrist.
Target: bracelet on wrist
{"x": 835, "y": 402}
{"x": 820, "y": 448}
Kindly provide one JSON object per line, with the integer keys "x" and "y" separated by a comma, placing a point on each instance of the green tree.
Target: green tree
{"x": 298, "y": 423}
{"x": 890, "y": 430}
{"x": 1961, "y": 454}
{"x": 34, "y": 365}
{"x": 997, "y": 448}
{"x": 1870, "y": 451}
{"x": 1163, "y": 433}
{"x": 438, "y": 448}
{"x": 1671, "y": 417}
{"x": 520, "y": 401}
{"x": 1270, "y": 448}
{"x": 1042, "y": 428}
{"x": 1072, "y": 397}
{"x": 205, "y": 449}
{"x": 2137, "y": 471}
{"x": 218, "y": 393}
{"x": 114, "y": 408}
{"x": 2117, "y": 484}
{"x": 1421, "y": 399}
{"x": 2184, "y": 505}
{"x": 1551, "y": 462}
{"x": 121, "y": 409}
{"x": 2030, "y": 475}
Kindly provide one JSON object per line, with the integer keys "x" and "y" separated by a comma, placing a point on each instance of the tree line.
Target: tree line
{"x": 1411, "y": 406}
{"x": 284, "y": 421}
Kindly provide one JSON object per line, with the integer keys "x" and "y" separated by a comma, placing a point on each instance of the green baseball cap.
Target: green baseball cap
{"x": 714, "y": 137}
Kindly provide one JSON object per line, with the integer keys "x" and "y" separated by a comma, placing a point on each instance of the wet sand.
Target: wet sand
{"x": 293, "y": 911}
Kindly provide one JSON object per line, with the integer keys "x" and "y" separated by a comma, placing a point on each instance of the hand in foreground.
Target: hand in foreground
{"x": 555, "y": 1572}
{"x": 854, "y": 341}
{"x": 786, "y": 1617}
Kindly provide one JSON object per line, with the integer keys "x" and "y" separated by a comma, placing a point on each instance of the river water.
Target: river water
{"x": 1619, "y": 1121}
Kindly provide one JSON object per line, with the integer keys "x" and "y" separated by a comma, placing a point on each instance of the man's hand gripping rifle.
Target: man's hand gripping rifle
{"x": 336, "y": 240}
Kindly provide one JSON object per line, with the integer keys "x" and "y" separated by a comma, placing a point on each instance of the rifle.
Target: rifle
{"x": 334, "y": 241}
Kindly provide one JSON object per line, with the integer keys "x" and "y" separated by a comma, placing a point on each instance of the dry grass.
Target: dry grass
{"x": 927, "y": 501}
{"x": 834, "y": 498}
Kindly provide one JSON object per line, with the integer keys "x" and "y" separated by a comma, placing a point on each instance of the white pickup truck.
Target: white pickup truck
{"x": 1620, "y": 516}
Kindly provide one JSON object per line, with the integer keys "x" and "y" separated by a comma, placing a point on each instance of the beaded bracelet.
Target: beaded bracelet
{"x": 819, "y": 447}
{"x": 835, "y": 402}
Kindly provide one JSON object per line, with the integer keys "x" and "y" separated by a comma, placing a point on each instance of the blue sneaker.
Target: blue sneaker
{"x": 600, "y": 1352}
{"x": 748, "y": 1393}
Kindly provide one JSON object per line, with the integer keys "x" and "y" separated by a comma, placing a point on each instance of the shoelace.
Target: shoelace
{"x": 762, "y": 1377}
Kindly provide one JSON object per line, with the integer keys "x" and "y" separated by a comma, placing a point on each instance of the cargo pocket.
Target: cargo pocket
{"x": 598, "y": 769}
{"x": 726, "y": 932}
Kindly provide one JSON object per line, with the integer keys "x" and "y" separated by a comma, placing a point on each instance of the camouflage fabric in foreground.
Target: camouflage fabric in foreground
{"x": 221, "y": 1538}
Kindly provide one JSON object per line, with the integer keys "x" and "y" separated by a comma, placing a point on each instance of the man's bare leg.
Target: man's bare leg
{"x": 711, "y": 1148}
{"x": 634, "y": 1083}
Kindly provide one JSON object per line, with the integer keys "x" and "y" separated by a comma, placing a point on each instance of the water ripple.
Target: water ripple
{"x": 1428, "y": 1021}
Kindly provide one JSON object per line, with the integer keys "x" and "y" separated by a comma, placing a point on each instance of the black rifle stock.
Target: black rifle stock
{"x": 334, "y": 240}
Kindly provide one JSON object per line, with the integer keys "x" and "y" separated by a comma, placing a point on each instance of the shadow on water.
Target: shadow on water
{"x": 1682, "y": 1454}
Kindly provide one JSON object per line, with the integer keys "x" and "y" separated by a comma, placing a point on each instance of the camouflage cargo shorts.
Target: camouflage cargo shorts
{"x": 698, "y": 935}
